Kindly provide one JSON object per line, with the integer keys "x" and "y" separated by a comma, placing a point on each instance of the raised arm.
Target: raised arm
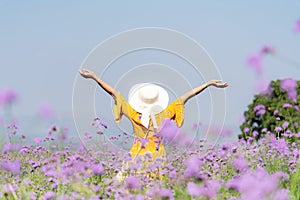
{"x": 197, "y": 90}
{"x": 89, "y": 74}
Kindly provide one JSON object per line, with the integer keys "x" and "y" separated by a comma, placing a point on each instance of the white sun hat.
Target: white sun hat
{"x": 148, "y": 99}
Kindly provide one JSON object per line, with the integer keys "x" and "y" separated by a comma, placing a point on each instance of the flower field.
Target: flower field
{"x": 267, "y": 169}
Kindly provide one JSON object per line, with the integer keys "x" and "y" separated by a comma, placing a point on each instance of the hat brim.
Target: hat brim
{"x": 137, "y": 104}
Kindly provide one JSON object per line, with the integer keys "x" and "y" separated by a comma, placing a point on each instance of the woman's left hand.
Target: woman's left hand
{"x": 217, "y": 83}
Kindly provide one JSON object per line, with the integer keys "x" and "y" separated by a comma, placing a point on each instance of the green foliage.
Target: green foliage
{"x": 273, "y": 112}
{"x": 294, "y": 183}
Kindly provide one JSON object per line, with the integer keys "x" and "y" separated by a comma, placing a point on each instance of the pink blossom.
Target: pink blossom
{"x": 143, "y": 142}
{"x": 263, "y": 86}
{"x": 278, "y": 128}
{"x": 171, "y": 133}
{"x": 286, "y": 105}
{"x": 9, "y": 147}
{"x": 285, "y": 125}
{"x": 255, "y": 185}
{"x": 195, "y": 126}
{"x": 46, "y": 111}
{"x": 37, "y": 140}
{"x": 240, "y": 163}
{"x": 255, "y": 62}
{"x": 7, "y": 97}
{"x": 267, "y": 49}
{"x": 259, "y": 109}
{"x": 192, "y": 166}
{"x": 12, "y": 166}
{"x": 132, "y": 182}
{"x": 281, "y": 194}
{"x": 49, "y": 195}
{"x": 97, "y": 169}
{"x": 297, "y": 26}
{"x": 246, "y": 130}
{"x": 290, "y": 86}
{"x": 193, "y": 189}
{"x": 255, "y": 133}
{"x": 10, "y": 189}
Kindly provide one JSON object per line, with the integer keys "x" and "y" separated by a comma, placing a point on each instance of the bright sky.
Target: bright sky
{"x": 43, "y": 44}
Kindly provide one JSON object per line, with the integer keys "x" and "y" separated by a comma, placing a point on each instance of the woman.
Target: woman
{"x": 146, "y": 108}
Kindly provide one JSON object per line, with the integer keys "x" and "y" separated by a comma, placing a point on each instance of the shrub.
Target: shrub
{"x": 274, "y": 111}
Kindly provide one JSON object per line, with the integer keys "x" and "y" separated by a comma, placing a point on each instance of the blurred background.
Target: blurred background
{"x": 43, "y": 44}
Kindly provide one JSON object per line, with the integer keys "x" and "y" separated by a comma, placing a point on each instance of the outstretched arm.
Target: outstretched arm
{"x": 89, "y": 74}
{"x": 197, "y": 90}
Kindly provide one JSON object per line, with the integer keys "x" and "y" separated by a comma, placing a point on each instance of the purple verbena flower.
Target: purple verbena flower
{"x": 9, "y": 188}
{"x": 285, "y": 125}
{"x": 264, "y": 130}
{"x": 193, "y": 189}
{"x": 282, "y": 194}
{"x": 103, "y": 124}
{"x": 267, "y": 49}
{"x": 49, "y": 195}
{"x": 255, "y": 133}
{"x": 144, "y": 141}
{"x": 255, "y": 62}
{"x": 37, "y": 140}
{"x": 97, "y": 169}
{"x": 240, "y": 163}
{"x": 132, "y": 182}
{"x": 10, "y": 147}
{"x": 297, "y": 26}
{"x": 7, "y": 97}
{"x": 255, "y": 185}
{"x": 246, "y": 130}
{"x": 259, "y": 109}
{"x": 210, "y": 189}
{"x": 278, "y": 129}
{"x": 11, "y": 166}
{"x": 261, "y": 112}
{"x": 286, "y": 105}
{"x": 170, "y": 133}
{"x": 46, "y": 111}
{"x": 165, "y": 193}
{"x": 290, "y": 86}
{"x": 192, "y": 166}
{"x": 263, "y": 87}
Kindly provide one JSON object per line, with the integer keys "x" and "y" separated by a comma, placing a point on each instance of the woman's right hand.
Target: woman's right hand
{"x": 86, "y": 73}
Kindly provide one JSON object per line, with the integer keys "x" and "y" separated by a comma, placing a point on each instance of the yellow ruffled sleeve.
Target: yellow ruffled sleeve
{"x": 119, "y": 107}
{"x": 175, "y": 111}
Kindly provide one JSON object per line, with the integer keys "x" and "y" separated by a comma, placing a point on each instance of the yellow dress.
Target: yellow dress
{"x": 175, "y": 111}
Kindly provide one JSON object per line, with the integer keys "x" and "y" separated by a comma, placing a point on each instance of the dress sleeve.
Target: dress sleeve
{"x": 175, "y": 111}
{"x": 119, "y": 107}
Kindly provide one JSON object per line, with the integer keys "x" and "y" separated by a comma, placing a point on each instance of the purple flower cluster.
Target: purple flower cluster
{"x": 290, "y": 86}
{"x": 259, "y": 109}
{"x": 7, "y": 97}
{"x": 297, "y": 26}
{"x": 258, "y": 184}
{"x": 239, "y": 169}
{"x": 197, "y": 172}
{"x": 255, "y": 61}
